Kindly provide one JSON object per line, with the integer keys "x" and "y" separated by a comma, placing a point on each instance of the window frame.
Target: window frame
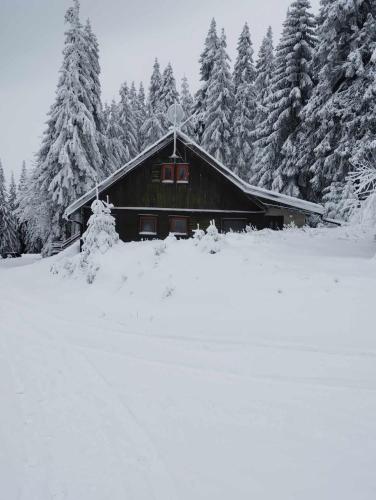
{"x": 152, "y": 217}
{"x": 186, "y": 176}
{"x": 163, "y": 173}
{"x": 172, "y": 218}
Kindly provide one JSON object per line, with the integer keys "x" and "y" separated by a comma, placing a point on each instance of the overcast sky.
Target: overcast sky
{"x": 131, "y": 34}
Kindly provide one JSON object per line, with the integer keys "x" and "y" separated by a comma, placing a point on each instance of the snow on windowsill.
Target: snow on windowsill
{"x": 167, "y": 182}
{"x": 147, "y": 233}
{"x": 181, "y": 182}
{"x": 179, "y": 234}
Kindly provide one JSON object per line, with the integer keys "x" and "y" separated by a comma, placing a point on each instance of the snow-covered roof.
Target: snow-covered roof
{"x": 266, "y": 196}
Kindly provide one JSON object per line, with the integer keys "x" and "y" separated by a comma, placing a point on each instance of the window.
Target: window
{"x": 168, "y": 172}
{"x": 182, "y": 173}
{"x": 234, "y": 225}
{"x": 179, "y": 225}
{"x": 148, "y": 225}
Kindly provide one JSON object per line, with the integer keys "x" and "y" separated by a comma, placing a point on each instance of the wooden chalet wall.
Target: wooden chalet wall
{"x": 207, "y": 195}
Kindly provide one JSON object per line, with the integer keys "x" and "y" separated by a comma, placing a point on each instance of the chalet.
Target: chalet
{"x": 156, "y": 194}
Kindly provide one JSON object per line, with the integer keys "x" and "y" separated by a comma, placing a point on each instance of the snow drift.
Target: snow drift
{"x": 180, "y": 373}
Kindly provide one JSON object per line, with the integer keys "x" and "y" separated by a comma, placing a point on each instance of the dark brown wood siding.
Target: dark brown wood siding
{"x": 208, "y": 195}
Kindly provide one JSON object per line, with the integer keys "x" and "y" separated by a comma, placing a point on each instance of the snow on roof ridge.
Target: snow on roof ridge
{"x": 245, "y": 186}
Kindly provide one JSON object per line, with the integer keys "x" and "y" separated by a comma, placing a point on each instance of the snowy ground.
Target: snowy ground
{"x": 249, "y": 374}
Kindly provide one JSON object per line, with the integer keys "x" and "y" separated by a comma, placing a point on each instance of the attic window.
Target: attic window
{"x": 182, "y": 173}
{"x": 179, "y": 225}
{"x": 148, "y": 225}
{"x": 168, "y": 173}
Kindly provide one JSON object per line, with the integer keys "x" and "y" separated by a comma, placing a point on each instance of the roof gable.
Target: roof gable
{"x": 267, "y": 197}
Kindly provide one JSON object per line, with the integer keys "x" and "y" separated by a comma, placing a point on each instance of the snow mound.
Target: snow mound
{"x": 180, "y": 373}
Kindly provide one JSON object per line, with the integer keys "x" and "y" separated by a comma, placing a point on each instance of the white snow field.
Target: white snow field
{"x": 247, "y": 374}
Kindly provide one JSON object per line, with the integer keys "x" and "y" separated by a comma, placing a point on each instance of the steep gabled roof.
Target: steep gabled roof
{"x": 267, "y": 197}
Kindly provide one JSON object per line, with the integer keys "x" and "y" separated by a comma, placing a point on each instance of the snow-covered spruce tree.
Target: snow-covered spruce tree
{"x": 290, "y": 89}
{"x": 92, "y": 50}
{"x": 264, "y": 73}
{"x": 141, "y": 100}
{"x": 340, "y": 200}
{"x": 168, "y": 94}
{"x": 33, "y": 215}
{"x": 8, "y": 232}
{"x": 98, "y": 238}
{"x": 106, "y": 114}
{"x": 186, "y": 101}
{"x": 216, "y": 138}
{"x": 141, "y": 116}
{"x": 152, "y": 129}
{"x": 20, "y": 195}
{"x": 339, "y": 121}
{"x": 69, "y": 161}
{"x": 12, "y": 194}
{"x": 244, "y": 69}
{"x": 117, "y": 151}
{"x": 154, "y": 98}
{"x": 361, "y": 184}
{"x": 136, "y": 112}
{"x": 127, "y": 122}
{"x": 13, "y": 204}
{"x": 206, "y": 66}
{"x": 245, "y": 107}
{"x": 211, "y": 242}
{"x": 154, "y": 123}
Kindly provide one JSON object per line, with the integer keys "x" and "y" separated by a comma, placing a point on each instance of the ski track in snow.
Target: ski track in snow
{"x": 153, "y": 473}
{"x": 115, "y": 405}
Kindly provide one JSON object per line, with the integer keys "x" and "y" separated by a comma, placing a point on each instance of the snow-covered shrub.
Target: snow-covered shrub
{"x": 160, "y": 247}
{"x": 212, "y": 241}
{"x": 98, "y": 238}
{"x": 100, "y": 234}
{"x": 291, "y": 226}
{"x": 363, "y": 181}
{"x": 171, "y": 239}
{"x": 198, "y": 234}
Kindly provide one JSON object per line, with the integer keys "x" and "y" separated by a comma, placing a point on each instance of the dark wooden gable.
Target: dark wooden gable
{"x": 207, "y": 189}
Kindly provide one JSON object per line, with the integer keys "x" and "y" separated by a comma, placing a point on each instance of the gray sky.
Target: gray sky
{"x": 130, "y": 33}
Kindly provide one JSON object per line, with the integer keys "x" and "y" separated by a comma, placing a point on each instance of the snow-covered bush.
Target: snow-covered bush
{"x": 363, "y": 181}
{"x": 98, "y": 238}
{"x": 198, "y": 234}
{"x": 212, "y": 241}
{"x": 100, "y": 234}
{"x": 249, "y": 229}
